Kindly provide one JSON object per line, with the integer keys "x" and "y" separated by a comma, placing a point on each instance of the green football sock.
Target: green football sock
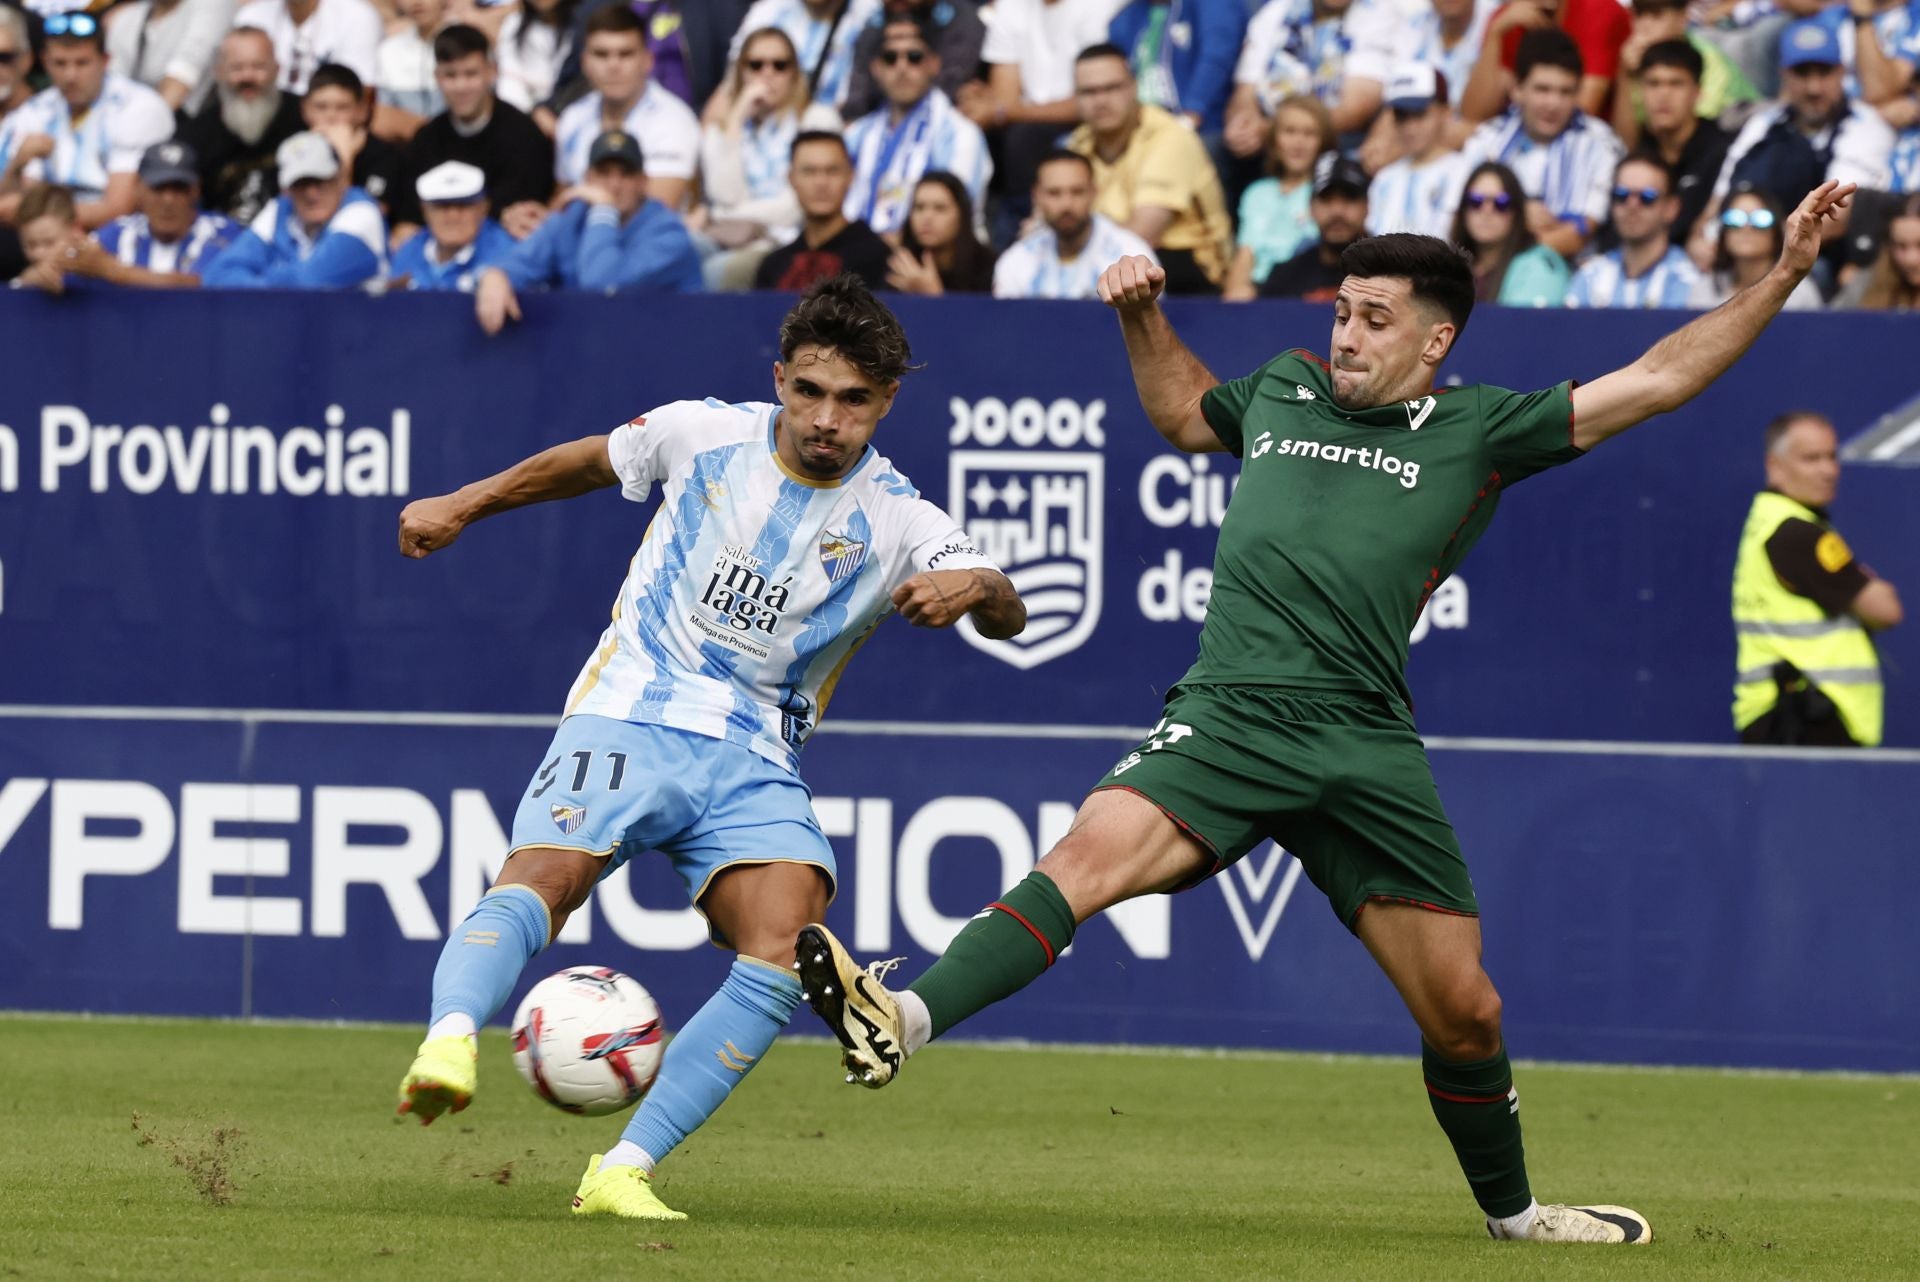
{"x": 1479, "y": 1110}
{"x": 998, "y": 953}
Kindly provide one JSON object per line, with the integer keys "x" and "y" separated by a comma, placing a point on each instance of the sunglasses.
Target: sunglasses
{"x": 1480, "y": 200}
{"x": 893, "y": 57}
{"x": 1642, "y": 195}
{"x": 1759, "y": 219}
{"x": 83, "y": 25}
{"x": 769, "y": 64}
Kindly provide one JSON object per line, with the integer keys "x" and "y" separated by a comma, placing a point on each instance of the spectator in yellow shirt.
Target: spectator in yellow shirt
{"x": 1151, "y": 173}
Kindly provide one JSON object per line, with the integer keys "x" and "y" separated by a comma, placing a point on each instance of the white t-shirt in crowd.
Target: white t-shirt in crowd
{"x": 668, "y": 131}
{"x": 1043, "y": 39}
{"x": 125, "y": 120}
{"x": 406, "y": 74}
{"x": 529, "y": 68}
{"x": 344, "y": 31}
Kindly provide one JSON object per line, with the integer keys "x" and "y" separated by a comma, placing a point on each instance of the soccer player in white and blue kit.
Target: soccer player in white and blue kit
{"x": 782, "y": 539}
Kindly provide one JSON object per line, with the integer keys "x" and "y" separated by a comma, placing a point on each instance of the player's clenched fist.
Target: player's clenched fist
{"x": 427, "y": 525}
{"x": 1132, "y": 283}
{"x": 937, "y": 598}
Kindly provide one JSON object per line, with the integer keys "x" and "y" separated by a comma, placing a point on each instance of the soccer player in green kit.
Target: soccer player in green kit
{"x": 1361, "y": 488}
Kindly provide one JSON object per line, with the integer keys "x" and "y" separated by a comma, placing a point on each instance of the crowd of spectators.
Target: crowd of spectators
{"x": 1585, "y": 153}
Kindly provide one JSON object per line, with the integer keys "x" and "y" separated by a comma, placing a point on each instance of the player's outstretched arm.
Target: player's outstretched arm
{"x": 937, "y": 599}
{"x": 1168, "y": 376}
{"x": 578, "y": 467}
{"x": 1681, "y": 365}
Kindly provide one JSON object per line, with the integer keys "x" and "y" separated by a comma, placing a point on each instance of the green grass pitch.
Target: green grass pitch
{"x": 270, "y": 1151}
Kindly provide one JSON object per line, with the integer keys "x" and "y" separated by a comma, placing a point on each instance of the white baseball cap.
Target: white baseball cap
{"x": 452, "y": 182}
{"x": 1414, "y": 87}
{"x": 306, "y": 155}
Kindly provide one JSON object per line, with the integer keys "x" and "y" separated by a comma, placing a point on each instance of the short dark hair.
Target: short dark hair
{"x": 334, "y": 75}
{"x": 1063, "y": 153}
{"x": 922, "y": 27}
{"x": 1650, "y": 158}
{"x": 1678, "y": 54}
{"x": 1548, "y": 47}
{"x": 460, "y": 41}
{"x": 1440, "y": 275}
{"x": 806, "y": 136}
{"x": 842, "y": 314}
{"x": 1778, "y": 429}
{"x": 1103, "y": 50}
{"x": 614, "y": 19}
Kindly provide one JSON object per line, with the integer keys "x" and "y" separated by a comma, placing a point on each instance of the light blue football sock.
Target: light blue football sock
{"x": 485, "y": 954}
{"x": 712, "y": 1053}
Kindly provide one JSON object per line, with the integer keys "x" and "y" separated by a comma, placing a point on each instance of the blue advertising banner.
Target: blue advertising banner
{"x": 198, "y": 504}
{"x": 198, "y": 500}
{"x": 1674, "y": 905}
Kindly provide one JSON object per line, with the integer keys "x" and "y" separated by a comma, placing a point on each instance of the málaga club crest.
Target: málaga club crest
{"x": 1037, "y": 514}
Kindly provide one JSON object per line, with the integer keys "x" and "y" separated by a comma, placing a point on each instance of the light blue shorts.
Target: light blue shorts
{"x": 616, "y": 788}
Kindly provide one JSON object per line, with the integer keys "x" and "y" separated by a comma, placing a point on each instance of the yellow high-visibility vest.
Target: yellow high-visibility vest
{"x": 1772, "y": 622}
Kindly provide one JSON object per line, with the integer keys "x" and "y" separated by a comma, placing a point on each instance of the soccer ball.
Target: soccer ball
{"x": 588, "y": 1040}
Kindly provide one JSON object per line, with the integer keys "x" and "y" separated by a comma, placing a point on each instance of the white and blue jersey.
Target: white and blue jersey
{"x": 1417, "y": 198}
{"x": 1288, "y": 50}
{"x": 753, "y": 586}
{"x": 1603, "y": 282}
{"x": 277, "y": 251}
{"x": 1899, "y": 33}
{"x": 125, "y": 120}
{"x": 668, "y": 131}
{"x": 1572, "y": 175}
{"x": 1032, "y": 266}
{"x": 424, "y": 269}
{"x": 129, "y": 239}
{"x": 821, "y": 42}
{"x": 1418, "y": 38}
{"x": 889, "y": 159}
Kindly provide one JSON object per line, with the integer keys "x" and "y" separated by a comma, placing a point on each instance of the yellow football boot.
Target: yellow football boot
{"x": 444, "y": 1076}
{"x": 626, "y": 1191}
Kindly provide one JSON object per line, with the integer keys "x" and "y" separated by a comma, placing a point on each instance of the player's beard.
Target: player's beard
{"x": 1067, "y": 231}
{"x": 248, "y": 118}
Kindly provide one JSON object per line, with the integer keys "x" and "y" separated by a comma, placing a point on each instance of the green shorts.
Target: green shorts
{"x": 1340, "y": 781}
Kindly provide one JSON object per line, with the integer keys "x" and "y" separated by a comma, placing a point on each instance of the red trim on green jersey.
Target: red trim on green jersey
{"x": 1489, "y": 486}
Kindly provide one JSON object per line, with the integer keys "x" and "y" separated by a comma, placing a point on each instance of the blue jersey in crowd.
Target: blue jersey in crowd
{"x": 277, "y": 253}
{"x": 588, "y": 247}
{"x": 1183, "y": 53}
{"x": 1603, "y": 282}
{"x": 414, "y": 260}
{"x": 130, "y": 239}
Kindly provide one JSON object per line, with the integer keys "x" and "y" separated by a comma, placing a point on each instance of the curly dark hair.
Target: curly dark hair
{"x": 843, "y": 314}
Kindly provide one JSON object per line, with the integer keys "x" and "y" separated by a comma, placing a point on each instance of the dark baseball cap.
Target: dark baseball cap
{"x": 1334, "y": 172}
{"x": 169, "y": 162}
{"x": 617, "y": 144}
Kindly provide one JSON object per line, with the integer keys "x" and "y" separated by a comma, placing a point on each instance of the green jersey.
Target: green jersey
{"x": 1344, "y": 522}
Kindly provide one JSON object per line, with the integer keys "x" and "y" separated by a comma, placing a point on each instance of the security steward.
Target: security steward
{"x": 1804, "y": 610}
